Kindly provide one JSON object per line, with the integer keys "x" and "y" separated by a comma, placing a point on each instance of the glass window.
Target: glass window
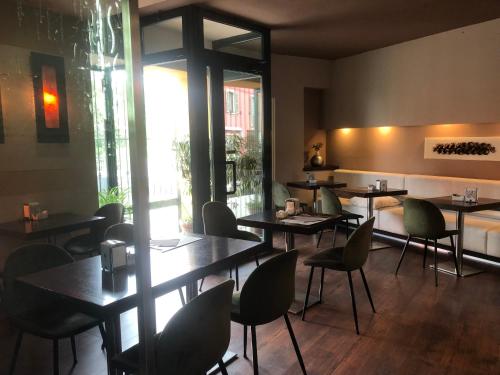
{"x": 162, "y": 36}
{"x": 230, "y": 39}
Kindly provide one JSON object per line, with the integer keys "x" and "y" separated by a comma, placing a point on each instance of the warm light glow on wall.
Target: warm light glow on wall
{"x": 345, "y": 130}
{"x": 49, "y": 99}
{"x": 384, "y": 130}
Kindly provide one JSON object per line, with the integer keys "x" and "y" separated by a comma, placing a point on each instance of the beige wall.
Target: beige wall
{"x": 290, "y": 76}
{"x": 451, "y": 77}
{"x": 401, "y": 150}
{"x": 313, "y": 123}
{"x": 61, "y": 177}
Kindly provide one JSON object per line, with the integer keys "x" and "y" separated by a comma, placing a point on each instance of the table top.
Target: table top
{"x": 321, "y": 183}
{"x": 268, "y": 220}
{"x": 364, "y": 193}
{"x": 100, "y": 293}
{"x": 482, "y": 204}
{"x": 55, "y": 223}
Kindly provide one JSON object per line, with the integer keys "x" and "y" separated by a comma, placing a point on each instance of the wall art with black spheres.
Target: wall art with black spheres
{"x": 463, "y": 148}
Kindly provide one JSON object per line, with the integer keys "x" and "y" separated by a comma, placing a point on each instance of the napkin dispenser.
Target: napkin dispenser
{"x": 381, "y": 185}
{"x": 292, "y": 206}
{"x": 113, "y": 255}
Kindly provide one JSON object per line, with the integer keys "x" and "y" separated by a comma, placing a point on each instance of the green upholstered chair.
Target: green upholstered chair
{"x": 266, "y": 296}
{"x": 424, "y": 220}
{"x": 349, "y": 258}
{"x": 194, "y": 340}
{"x": 38, "y": 314}
{"x": 280, "y": 194}
{"x": 219, "y": 220}
{"x": 331, "y": 205}
{"x": 121, "y": 232}
{"x": 88, "y": 244}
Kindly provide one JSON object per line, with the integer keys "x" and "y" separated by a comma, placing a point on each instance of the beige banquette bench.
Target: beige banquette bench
{"x": 482, "y": 229}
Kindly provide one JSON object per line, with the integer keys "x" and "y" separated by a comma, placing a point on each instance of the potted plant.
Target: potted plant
{"x": 182, "y": 150}
{"x": 317, "y": 159}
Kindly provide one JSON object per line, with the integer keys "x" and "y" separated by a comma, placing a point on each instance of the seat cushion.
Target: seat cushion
{"x": 493, "y": 241}
{"x": 81, "y": 245}
{"x": 378, "y": 202}
{"x": 54, "y": 322}
{"x": 329, "y": 258}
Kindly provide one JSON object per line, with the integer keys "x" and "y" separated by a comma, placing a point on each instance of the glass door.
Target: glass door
{"x": 236, "y": 130}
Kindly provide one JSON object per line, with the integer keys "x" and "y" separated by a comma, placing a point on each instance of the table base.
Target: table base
{"x": 449, "y": 268}
{"x": 298, "y": 304}
{"x": 228, "y": 358}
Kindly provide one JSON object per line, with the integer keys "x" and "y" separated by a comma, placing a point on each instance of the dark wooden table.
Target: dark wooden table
{"x": 107, "y": 295}
{"x": 47, "y": 228}
{"x": 267, "y": 220}
{"x": 462, "y": 208}
{"x": 304, "y": 185}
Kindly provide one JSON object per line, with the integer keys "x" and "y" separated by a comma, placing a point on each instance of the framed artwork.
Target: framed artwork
{"x": 463, "y": 148}
{"x": 49, "y": 87}
{"x": 2, "y": 136}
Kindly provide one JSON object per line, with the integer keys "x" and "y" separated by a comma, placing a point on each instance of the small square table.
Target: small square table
{"x": 267, "y": 220}
{"x": 304, "y": 185}
{"x": 461, "y": 208}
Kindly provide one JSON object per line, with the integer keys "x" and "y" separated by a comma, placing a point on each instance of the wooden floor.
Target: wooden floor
{"x": 418, "y": 329}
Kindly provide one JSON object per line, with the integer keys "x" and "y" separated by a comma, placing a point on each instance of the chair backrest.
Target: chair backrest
{"x": 25, "y": 260}
{"x": 113, "y": 214}
{"x": 330, "y": 203}
{"x": 198, "y": 335}
{"x": 122, "y": 232}
{"x": 269, "y": 290}
{"x": 280, "y": 194}
{"x": 358, "y": 245}
{"x": 423, "y": 219}
{"x": 219, "y": 220}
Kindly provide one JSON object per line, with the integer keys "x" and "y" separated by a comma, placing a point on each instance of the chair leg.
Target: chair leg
{"x": 103, "y": 336}
{"x": 367, "y": 289}
{"x": 222, "y": 367}
{"x": 55, "y": 356}
{"x": 230, "y": 273}
{"x": 334, "y": 235}
{"x": 321, "y": 284}
{"x": 454, "y": 254}
{"x": 357, "y": 221}
{"x": 245, "y": 339}
{"x": 403, "y": 254}
{"x": 73, "y": 350}
{"x": 237, "y": 277}
{"x": 306, "y": 300}
{"x": 295, "y": 345}
{"x": 181, "y": 295}
{"x": 319, "y": 239}
{"x": 16, "y": 352}
{"x": 346, "y": 229}
{"x": 201, "y": 285}
{"x": 425, "y": 251}
{"x": 257, "y": 260}
{"x": 435, "y": 263}
{"x": 354, "y": 311}
{"x": 254, "y": 350}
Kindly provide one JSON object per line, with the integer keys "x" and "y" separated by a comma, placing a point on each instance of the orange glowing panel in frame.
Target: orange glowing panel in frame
{"x": 50, "y": 100}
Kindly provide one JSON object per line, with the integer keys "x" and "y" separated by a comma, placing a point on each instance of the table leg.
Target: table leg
{"x": 113, "y": 340}
{"x": 315, "y": 198}
{"x": 289, "y": 241}
{"x": 369, "y": 212}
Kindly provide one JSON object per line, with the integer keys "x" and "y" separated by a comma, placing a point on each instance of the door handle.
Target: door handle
{"x": 232, "y": 163}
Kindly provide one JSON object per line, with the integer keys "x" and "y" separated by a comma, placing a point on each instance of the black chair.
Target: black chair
{"x": 266, "y": 296}
{"x": 88, "y": 244}
{"x": 423, "y": 219}
{"x": 37, "y": 314}
{"x": 219, "y": 220}
{"x": 193, "y": 341}
{"x": 331, "y": 205}
{"x": 349, "y": 258}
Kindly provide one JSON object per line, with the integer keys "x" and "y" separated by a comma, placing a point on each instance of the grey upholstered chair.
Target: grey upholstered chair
{"x": 331, "y": 205}
{"x": 121, "y": 232}
{"x": 88, "y": 244}
{"x": 349, "y": 258}
{"x": 280, "y": 194}
{"x": 219, "y": 220}
{"x": 38, "y": 314}
{"x": 266, "y": 296}
{"x": 194, "y": 340}
{"x": 423, "y": 219}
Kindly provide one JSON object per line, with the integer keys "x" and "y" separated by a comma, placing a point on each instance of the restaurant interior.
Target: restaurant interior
{"x": 245, "y": 187}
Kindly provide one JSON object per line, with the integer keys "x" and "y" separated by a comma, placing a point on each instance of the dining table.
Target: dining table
{"x": 291, "y": 226}
{"x": 461, "y": 208}
{"x": 106, "y": 295}
{"x": 48, "y": 228}
{"x": 315, "y": 186}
